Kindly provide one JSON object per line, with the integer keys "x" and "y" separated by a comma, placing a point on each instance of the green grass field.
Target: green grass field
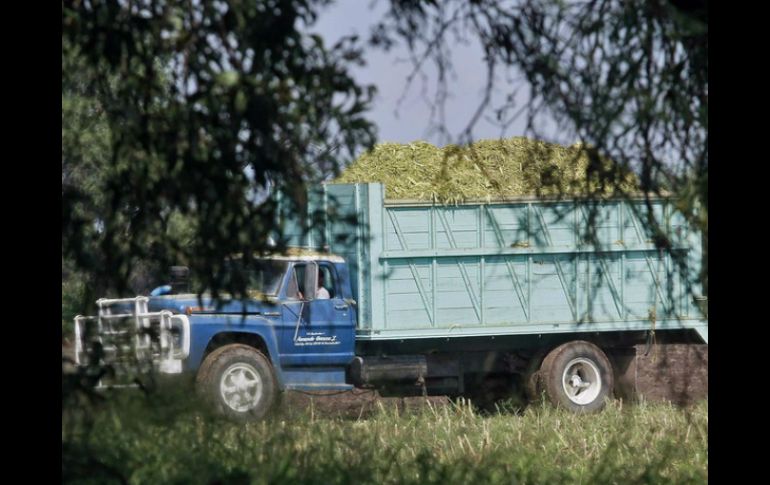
{"x": 135, "y": 441}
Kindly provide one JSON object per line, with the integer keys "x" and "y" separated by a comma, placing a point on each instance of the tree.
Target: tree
{"x": 194, "y": 107}
{"x": 86, "y": 145}
{"x": 207, "y": 103}
{"x": 629, "y": 79}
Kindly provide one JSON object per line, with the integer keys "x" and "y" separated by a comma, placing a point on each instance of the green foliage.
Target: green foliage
{"x": 86, "y": 171}
{"x": 447, "y": 444}
{"x": 194, "y": 110}
{"x": 72, "y": 293}
{"x": 485, "y": 169}
{"x": 177, "y": 110}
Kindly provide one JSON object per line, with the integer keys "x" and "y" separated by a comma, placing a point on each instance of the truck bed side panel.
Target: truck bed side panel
{"x": 515, "y": 267}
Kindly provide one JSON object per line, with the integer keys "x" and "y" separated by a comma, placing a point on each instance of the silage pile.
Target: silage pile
{"x": 486, "y": 169}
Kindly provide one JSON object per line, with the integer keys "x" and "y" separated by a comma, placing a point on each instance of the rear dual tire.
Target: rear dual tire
{"x": 576, "y": 376}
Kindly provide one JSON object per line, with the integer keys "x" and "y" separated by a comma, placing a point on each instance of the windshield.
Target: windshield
{"x": 263, "y": 276}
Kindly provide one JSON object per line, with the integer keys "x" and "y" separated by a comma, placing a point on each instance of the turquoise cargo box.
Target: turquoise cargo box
{"x": 512, "y": 267}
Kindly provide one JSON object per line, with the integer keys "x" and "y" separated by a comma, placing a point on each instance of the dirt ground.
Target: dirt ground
{"x": 677, "y": 373}
{"x": 669, "y": 372}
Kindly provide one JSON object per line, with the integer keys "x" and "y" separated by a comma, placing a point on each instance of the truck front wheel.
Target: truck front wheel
{"x": 577, "y": 376}
{"x": 238, "y": 381}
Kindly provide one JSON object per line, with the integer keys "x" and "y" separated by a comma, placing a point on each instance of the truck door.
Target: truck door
{"x": 317, "y": 332}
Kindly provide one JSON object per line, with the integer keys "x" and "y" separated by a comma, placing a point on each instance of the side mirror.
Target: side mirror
{"x": 311, "y": 280}
{"x": 180, "y": 279}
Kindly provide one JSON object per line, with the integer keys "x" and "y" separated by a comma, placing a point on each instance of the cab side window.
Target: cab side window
{"x": 326, "y": 279}
{"x": 292, "y": 290}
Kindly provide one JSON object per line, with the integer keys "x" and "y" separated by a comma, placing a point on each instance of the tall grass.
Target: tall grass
{"x": 145, "y": 441}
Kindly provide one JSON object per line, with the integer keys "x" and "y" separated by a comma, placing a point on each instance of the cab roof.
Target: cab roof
{"x": 301, "y": 254}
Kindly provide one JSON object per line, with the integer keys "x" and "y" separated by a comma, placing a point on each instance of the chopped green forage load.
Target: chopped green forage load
{"x": 488, "y": 169}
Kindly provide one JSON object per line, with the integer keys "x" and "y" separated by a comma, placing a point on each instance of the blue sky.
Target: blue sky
{"x": 389, "y": 71}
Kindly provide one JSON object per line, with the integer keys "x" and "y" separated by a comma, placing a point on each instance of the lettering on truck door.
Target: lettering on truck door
{"x": 320, "y": 335}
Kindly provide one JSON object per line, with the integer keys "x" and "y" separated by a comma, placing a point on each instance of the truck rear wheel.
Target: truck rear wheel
{"x": 238, "y": 381}
{"x": 577, "y": 376}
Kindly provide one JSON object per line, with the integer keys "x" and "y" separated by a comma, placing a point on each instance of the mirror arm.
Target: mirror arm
{"x": 299, "y": 320}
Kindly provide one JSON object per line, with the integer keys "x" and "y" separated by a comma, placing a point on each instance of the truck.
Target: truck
{"x": 479, "y": 299}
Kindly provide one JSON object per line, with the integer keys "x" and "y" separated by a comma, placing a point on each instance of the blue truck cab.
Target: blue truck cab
{"x": 309, "y": 342}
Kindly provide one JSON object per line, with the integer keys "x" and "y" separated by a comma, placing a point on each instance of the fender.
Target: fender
{"x": 204, "y": 328}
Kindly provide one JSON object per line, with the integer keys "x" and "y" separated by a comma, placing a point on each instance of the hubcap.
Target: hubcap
{"x": 581, "y": 381}
{"x": 241, "y": 387}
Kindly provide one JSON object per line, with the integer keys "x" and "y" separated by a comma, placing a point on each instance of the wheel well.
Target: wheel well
{"x": 245, "y": 338}
{"x": 608, "y": 342}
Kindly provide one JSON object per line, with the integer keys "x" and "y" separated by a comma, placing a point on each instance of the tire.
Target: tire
{"x": 238, "y": 382}
{"x": 577, "y": 376}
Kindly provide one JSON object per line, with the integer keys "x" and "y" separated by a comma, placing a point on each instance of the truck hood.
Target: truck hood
{"x": 192, "y": 305}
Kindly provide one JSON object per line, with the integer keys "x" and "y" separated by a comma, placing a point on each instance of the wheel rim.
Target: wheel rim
{"x": 581, "y": 381}
{"x": 241, "y": 387}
